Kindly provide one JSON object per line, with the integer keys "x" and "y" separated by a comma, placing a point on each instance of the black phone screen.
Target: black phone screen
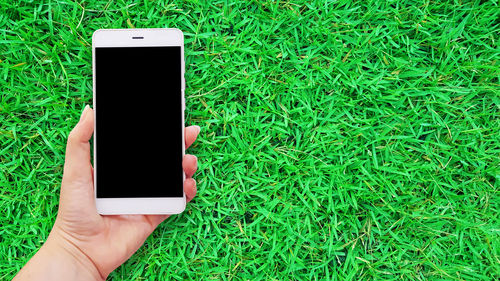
{"x": 138, "y": 107}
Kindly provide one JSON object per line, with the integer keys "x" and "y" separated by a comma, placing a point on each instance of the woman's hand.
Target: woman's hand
{"x": 93, "y": 243}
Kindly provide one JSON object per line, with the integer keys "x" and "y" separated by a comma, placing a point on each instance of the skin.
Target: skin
{"x": 84, "y": 245}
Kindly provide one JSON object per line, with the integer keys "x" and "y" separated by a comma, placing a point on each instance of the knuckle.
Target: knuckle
{"x": 72, "y": 137}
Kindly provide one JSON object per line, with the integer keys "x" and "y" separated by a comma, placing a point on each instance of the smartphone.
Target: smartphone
{"x": 138, "y": 83}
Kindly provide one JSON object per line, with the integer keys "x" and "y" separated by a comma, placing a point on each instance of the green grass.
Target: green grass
{"x": 340, "y": 141}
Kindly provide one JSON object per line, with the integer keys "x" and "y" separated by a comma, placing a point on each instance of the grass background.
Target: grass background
{"x": 340, "y": 140}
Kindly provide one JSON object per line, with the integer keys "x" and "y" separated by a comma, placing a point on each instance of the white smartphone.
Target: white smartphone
{"x": 139, "y": 121}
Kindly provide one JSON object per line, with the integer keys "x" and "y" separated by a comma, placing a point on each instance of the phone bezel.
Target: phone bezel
{"x": 151, "y": 37}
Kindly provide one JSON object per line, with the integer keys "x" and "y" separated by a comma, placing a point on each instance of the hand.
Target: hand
{"x": 101, "y": 243}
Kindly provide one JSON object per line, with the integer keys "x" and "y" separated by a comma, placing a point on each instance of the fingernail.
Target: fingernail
{"x": 84, "y": 112}
{"x": 197, "y": 127}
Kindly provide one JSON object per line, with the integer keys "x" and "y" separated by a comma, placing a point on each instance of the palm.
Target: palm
{"x": 107, "y": 240}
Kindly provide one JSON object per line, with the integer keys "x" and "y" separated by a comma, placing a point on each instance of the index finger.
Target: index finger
{"x": 191, "y": 133}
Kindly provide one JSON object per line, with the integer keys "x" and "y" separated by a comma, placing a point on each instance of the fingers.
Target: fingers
{"x": 191, "y": 133}
{"x": 190, "y": 165}
{"x": 77, "y": 163}
{"x": 190, "y": 189}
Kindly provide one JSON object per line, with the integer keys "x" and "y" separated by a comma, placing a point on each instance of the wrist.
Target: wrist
{"x": 56, "y": 260}
{"x": 69, "y": 255}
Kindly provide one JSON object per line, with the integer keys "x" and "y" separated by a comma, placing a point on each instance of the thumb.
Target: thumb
{"x": 77, "y": 165}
